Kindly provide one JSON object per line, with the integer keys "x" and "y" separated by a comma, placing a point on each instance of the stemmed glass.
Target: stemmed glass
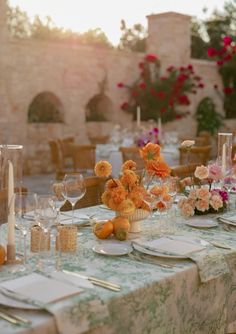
{"x": 74, "y": 189}
{"x": 57, "y": 191}
{"x": 25, "y": 204}
{"x": 47, "y": 216}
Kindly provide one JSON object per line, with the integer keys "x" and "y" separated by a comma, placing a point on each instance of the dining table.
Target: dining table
{"x": 158, "y": 294}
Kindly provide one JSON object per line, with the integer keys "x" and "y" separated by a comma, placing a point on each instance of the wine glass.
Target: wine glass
{"x": 74, "y": 189}
{"x": 24, "y": 205}
{"x": 47, "y": 217}
{"x": 57, "y": 191}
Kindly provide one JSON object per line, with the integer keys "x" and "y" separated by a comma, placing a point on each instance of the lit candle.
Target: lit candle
{"x": 11, "y": 215}
{"x": 138, "y": 116}
{"x": 159, "y": 129}
{"x": 224, "y": 158}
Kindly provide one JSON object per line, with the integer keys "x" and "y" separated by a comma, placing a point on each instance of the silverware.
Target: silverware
{"x": 21, "y": 298}
{"x": 9, "y": 319}
{"x": 95, "y": 281}
{"x": 142, "y": 258}
{"x": 15, "y": 317}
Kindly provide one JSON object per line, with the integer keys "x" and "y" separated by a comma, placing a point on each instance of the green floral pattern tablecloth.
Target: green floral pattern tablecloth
{"x": 153, "y": 299}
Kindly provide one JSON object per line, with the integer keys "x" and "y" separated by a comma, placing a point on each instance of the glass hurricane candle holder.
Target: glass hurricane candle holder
{"x": 224, "y": 154}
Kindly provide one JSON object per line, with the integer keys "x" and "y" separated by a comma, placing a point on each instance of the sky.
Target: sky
{"x": 81, "y": 15}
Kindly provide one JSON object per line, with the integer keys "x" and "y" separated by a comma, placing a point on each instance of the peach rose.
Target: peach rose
{"x": 216, "y": 202}
{"x": 192, "y": 202}
{"x": 192, "y": 194}
{"x": 202, "y": 205}
{"x": 182, "y": 202}
{"x": 187, "y": 210}
{"x": 215, "y": 172}
{"x": 203, "y": 193}
{"x": 201, "y": 172}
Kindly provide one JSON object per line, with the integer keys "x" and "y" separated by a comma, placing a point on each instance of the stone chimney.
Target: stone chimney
{"x": 169, "y": 37}
{"x": 3, "y": 20}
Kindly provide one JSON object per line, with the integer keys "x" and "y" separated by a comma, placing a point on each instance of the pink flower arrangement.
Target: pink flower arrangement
{"x": 201, "y": 198}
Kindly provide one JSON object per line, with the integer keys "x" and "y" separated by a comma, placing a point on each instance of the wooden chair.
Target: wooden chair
{"x": 197, "y": 154}
{"x": 84, "y": 157}
{"x": 132, "y": 153}
{"x": 57, "y": 159}
{"x": 233, "y": 150}
{"x": 94, "y": 189}
{"x": 183, "y": 171}
{"x": 99, "y": 140}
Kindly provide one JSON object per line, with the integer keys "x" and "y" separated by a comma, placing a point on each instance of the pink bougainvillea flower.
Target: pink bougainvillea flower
{"x": 141, "y": 65}
{"x": 228, "y": 90}
{"x": 220, "y": 62}
{"x": 227, "y": 40}
{"x": 163, "y": 110}
{"x": 190, "y": 67}
{"x": 151, "y": 58}
{"x": 135, "y": 93}
{"x": 124, "y": 106}
{"x": 211, "y": 52}
{"x": 201, "y": 85}
{"x": 170, "y": 68}
{"x": 183, "y": 100}
{"x": 120, "y": 85}
{"x": 182, "y": 77}
{"x": 161, "y": 94}
{"x": 142, "y": 85}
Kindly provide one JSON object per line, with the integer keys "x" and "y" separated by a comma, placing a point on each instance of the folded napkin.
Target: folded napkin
{"x": 40, "y": 288}
{"x": 210, "y": 262}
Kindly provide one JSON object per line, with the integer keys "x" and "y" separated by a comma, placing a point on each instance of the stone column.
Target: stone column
{"x": 169, "y": 37}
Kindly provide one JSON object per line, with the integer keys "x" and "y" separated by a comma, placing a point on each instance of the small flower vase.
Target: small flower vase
{"x": 135, "y": 219}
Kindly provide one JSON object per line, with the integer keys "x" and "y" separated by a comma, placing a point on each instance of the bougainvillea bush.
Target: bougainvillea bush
{"x": 161, "y": 95}
{"x": 226, "y": 61}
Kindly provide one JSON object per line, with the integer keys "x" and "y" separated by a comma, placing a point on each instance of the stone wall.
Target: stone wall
{"x": 72, "y": 73}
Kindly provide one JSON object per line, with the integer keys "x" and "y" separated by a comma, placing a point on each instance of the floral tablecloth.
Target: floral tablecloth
{"x": 153, "y": 299}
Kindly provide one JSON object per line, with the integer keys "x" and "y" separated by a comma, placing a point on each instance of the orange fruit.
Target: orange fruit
{"x": 103, "y": 230}
{"x": 2, "y": 254}
{"x": 120, "y": 223}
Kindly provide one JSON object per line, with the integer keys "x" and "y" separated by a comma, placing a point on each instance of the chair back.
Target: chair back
{"x": 84, "y": 157}
{"x": 197, "y": 154}
{"x": 183, "y": 171}
{"x": 99, "y": 140}
{"x": 132, "y": 153}
{"x": 56, "y": 158}
{"x": 94, "y": 189}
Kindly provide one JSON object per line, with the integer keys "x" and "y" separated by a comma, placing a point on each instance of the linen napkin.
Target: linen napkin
{"x": 40, "y": 288}
{"x": 210, "y": 262}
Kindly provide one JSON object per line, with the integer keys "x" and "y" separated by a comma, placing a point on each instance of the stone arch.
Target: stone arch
{"x": 46, "y": 107}
{"x": 99, "y": 108}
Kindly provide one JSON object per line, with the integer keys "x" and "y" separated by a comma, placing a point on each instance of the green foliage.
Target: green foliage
{"x": 208, "y": 33}
{"x": 134, "y": 38}
{"x": 20, "y": 26}
{"x": 207, "y": 117}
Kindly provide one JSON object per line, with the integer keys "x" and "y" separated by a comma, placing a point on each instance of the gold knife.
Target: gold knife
{"x": 95, "y": 281}
{"x": 16, "y": 317}
{"x": 9, "y": 319}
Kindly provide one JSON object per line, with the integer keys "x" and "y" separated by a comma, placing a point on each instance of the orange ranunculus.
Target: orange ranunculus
{"x": 129, "y": 178}
{"x": 118, "y": 194}
{"x": 161, "y": 206}
{"x": 126, "y": 207}
{"x": 105, "y": 197}
{"x": 158, "y": 168}
{"x": 129, "y": 164}
{"x": 150, "y": 152}
{"x": 136, "y": 197}
{"x": 112, "y": 183}
{"x": 103, "y": 168}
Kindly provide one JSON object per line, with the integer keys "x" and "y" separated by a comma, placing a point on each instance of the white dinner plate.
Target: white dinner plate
{"x": 149, "y": 252}
{"x": 112, "y": 248}
{"x": 202, "y": 223}
{"x": 190, "y": 239}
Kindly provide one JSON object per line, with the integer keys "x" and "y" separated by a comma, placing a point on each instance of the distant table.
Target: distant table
{"x": 112, "y": 154}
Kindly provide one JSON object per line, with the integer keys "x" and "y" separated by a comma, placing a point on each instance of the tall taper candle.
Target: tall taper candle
{"x": 11, "y": 215}
{"x": 159, "y": 129}
{"x": 138, "y": 116}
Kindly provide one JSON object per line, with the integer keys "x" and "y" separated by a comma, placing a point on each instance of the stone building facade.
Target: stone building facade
{"x": 72, "y": 73}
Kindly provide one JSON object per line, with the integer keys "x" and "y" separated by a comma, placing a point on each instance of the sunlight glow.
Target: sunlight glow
{"x": 80, "y": 15}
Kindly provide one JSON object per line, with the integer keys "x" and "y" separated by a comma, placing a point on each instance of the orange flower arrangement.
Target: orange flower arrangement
{"x": 127, "y": 193}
